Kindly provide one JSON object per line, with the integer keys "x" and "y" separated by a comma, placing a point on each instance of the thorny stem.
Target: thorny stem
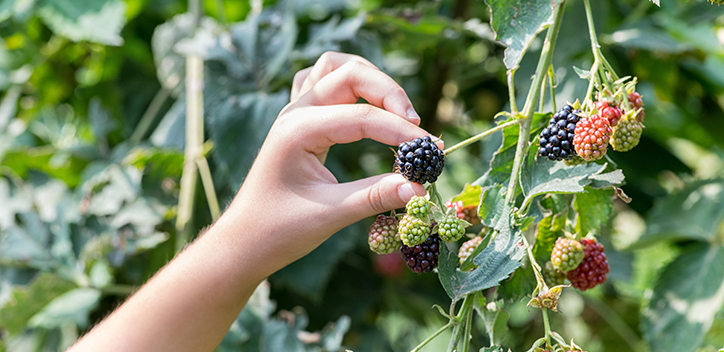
{"x": 543, "y": 63}
{"x": 480, "y": 136}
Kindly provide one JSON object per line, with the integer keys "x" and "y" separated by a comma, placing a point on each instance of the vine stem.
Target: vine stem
{"x": 431, "y": 337}
{"x": 547, "y": 325}
{"x": 544, "y": 63}
{"x": 480, "y": 136}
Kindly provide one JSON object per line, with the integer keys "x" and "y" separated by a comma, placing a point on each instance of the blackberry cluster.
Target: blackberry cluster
{"x": 567, "y": 254}
{"x": 383, "y": 237}
{"x": 556, "y": 140}
{"x": 636, "y": 102}
{"x": 593, "y": 269}
{"x": 422, "y": 258}
{"x": 420, "y": 160}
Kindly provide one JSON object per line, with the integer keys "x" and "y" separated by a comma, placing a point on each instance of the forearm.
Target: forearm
{"x": 190, "y": 304}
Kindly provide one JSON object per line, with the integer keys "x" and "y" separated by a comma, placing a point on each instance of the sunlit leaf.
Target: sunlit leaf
{"x": 26, "y": 301}
{"x": 98, "y": 21}
{"x": 72, "y": 306}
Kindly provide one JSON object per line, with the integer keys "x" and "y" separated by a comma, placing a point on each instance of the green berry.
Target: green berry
{"x": 383, "y": 237}
{"x": 567, "y": 254}
{"x": 450, "y": 228}
{"x": 419, "y": 207}
{"x": 552, "y": 276}
{"x": 627, "y": 133}
{"x": 413, "y": 230}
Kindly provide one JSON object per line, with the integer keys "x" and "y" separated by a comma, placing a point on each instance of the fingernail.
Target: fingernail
{"x": 412, "y": 115}
{"x": 407, "y": 191}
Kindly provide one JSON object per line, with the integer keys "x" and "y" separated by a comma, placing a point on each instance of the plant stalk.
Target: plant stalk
{"x": 544, "y": 62}
{"x": 480, "y": 136}
{"x": 433, "y": 336}
{"x": 547, "y": 325}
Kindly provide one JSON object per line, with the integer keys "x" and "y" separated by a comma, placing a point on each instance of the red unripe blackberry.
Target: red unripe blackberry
{"x": 636, "y": 102}
{"x": 420, "y": 160}
{"x": 469, "y": 213}
{"x": 566, "y": 254}
{"x": 388, "y": 265}
{"x": 556, "y": 140}
{"x": 422, "y": 258}
{"x": 468, "y": 247}
{"x": 593, "y": 269}
{"x": 383, "y": 237}
{"x": 591, "y": 137}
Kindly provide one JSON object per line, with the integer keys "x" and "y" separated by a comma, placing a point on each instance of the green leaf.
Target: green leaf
{"x": 549, "y": 229}
{"x": 609, "y": 179}
{"x": 328, "y": 36}
{"x": 101, "y": 274}
{"x": 516, "y": 22}
{"x": 492, "y": 349}
{"x": 541, "y": 176}
{"x": 694, "y": 213}
{"x": 469, "y": 196}
{"x": 26, "y": 301}
{"x": 490, "y": 210}
{"x": 73, "y": 306}
{"x": 245, "y": 332}
{"x": 6, "y": 9}
{"x": 520, "y": 285}
{"x": 495, "y": 321}
{"x": 594, "y": 209}
{"x": 98, "y": 21}
{"x": 494, "y": 263}
{"x": 687, "y": 295}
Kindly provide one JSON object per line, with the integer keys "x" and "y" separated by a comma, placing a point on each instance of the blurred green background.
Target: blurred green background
{"x": 92, "y": 133}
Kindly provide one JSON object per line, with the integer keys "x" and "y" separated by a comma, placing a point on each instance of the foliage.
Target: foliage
{"x": 92, "y": 132}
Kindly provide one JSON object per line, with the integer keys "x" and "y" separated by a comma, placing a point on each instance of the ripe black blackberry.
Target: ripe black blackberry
{"x": 422, "y": 258}
{"x": 556, "y": 140}
{"x": 420, "y": 160}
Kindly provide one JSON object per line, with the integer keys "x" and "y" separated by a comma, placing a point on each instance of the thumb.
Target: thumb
{"x": 377, "y": 194}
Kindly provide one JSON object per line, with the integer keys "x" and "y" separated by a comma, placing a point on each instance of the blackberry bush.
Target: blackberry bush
{"x": 420, "y": 160}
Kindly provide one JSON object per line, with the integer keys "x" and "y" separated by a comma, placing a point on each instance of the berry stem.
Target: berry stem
{"x": 547, "y": 325}
{"x": 480, "y": 136}
{"x": 468, "y": 327}
{"x": 544, "y": 63}
{"x": 536, "y": 268}
{"x": 434, "y": 335}
{"x": 552, "y": 85}
{"x": 511, "y": 91}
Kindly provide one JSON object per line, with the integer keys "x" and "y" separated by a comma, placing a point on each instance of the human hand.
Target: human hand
{"x": 289, "y": 200}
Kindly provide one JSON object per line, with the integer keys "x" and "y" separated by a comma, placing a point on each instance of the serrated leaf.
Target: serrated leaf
{"x": 695, "y": 213}
{"x": 495, "y": 322}
{"x": 99, "y": 21}
{"x": 519, "y": 286}
{"x": 687, "y": 295}
{"x": 541, "y": 176}
{"x": 549, "y": 229}
{"x": 496, "y": 262}
{"x": 72, "y": 306}
{"x": 583, "y": 74}
{"x": 490, "y": 210}
{"x": 26, "y": 301}
{"x": 594, "y": 209}
{"x": 609, "y": 179}
{"x": 517, "y": 22}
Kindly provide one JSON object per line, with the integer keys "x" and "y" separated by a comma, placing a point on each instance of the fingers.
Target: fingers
{"x": 318, "y": 128}
{"x": 375, "y": 195}
{"x": 326, "y": 64}
{"x": 354, "y": 80}
{"x": 299, "y": 79}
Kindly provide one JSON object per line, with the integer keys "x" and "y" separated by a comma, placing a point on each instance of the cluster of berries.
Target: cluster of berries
{"x": 583, "y": 263}
{"x": 576, "y": 137}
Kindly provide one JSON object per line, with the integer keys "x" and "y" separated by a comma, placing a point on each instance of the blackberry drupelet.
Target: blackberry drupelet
{"x": 422, "y": 258}
{"x": 420, "y": 160}
{"x": 556, "y": 140}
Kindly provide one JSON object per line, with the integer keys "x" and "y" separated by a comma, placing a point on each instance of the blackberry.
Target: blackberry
{"x": 422, "y": 258}
{"x": 552, "y": 276}
{"x": 450, "y": 228}
{"x": 469, "y": 213}
{"x": 420, "y": 160}
{"x": 627, "y": 133}
{"x": 566, "y": 254}
{"x": 636, "y": 102}
{"x": 593, "y": 269}
{"x": 556, "y": 140}
{"x": 468, "y": 247}
{"x": 591, "y": 137}
{"x": 418, "y": 207}
{"x": 413, "y": 230}
{"x": 383, "y": 237}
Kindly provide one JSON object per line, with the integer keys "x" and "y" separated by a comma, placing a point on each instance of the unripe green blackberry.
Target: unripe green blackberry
{"x": 418, "y": 207}
{"x": 383, "y": 237}
{"x": 413, "y": 230}
{"x": 627, "y": 133}
{"x": 567, "y": 254}
{"x": 591, "y": 137}
{"x": 450, "y": 228}
{"x": 575, "y": 160}
{"x": 468, "y": 247}
{"x": 420, "y": 160}
{"x": 552, "y": 276}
